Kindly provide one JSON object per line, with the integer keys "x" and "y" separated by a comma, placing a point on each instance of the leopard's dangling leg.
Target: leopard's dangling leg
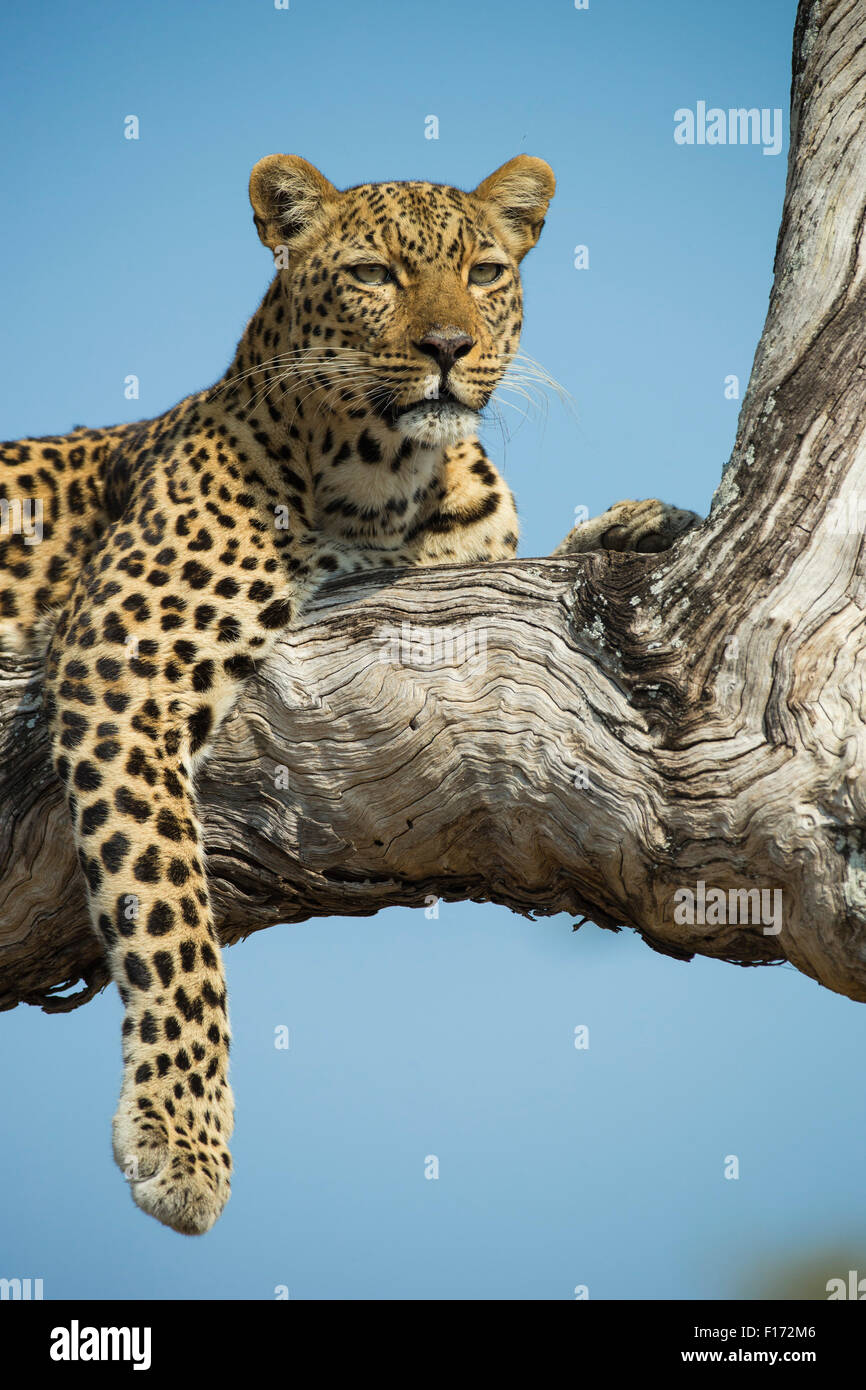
{"x": 125, "y": 760}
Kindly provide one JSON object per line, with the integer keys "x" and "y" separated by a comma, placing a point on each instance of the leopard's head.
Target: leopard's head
{"x": 400, "y": 301}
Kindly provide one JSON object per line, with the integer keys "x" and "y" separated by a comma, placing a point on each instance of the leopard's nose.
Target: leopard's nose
{"x": 445, "y": 345}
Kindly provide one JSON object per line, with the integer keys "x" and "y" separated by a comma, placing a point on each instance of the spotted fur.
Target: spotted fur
{"x": 175, "y": 551}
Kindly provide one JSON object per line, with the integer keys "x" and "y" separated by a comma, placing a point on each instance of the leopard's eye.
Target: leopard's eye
{"x": 373, "y": 273}
{"x": 486, "y": 272}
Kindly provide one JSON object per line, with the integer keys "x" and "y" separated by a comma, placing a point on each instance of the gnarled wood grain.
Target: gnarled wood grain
{"x": 633, "y": 724}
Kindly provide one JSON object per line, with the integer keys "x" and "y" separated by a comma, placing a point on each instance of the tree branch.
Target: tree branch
{"x": 605, "y": 730}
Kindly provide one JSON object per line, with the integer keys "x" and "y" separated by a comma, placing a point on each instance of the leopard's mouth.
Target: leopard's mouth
{"x": 436, "y": 419}
{"x": 440, "y": 402}
{"x": 439, "y": 396}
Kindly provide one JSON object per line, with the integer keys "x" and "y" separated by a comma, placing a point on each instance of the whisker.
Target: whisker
{"x": 298, "y": 358}
{"x": 544, "y": 377}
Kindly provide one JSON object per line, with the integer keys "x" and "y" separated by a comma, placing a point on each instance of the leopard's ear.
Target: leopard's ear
{"x": 289, "y": 197}
{"x": 516, "y": 196}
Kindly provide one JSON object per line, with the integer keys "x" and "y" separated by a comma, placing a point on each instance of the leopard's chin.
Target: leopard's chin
{"x": 438, "y": 423}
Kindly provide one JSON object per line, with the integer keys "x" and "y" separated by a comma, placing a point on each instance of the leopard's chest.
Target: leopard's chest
{"x": 376, "y": 502}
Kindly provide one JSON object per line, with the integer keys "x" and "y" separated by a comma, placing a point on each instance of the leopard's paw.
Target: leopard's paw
{"x": 187, "y": 1202}
{"x": 178, "y": 1166}
{"x": 647, "y": 527}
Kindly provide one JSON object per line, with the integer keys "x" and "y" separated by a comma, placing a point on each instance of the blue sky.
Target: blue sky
{"x": 410, "y": 1036}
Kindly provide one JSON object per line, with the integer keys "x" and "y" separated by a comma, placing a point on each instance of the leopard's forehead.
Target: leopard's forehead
{"x": 413, "y": 198}
{"x": 442, "y": 218}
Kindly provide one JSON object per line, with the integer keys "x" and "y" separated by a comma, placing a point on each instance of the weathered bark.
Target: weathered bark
{"x": 636, "y": 723}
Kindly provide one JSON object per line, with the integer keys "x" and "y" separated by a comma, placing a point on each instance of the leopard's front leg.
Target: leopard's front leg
{"x": 129, "y": 719}
{"x": 134, "y": 818}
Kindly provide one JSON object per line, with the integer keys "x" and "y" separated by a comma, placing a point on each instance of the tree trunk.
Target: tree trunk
{"x": 590, "y": 733}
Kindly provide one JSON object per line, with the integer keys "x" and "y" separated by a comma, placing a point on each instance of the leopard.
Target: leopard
{"x": 173, "y": 553}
